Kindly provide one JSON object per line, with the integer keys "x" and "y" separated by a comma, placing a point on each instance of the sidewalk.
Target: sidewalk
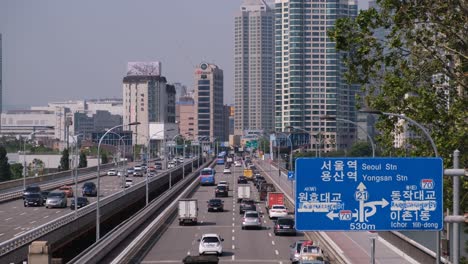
{"x": 356, "y": 246}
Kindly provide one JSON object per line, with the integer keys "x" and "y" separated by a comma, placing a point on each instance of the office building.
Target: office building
{"x": 181, "y": 90}
{"x": 186, "y": 114}
{"x": 148, "y": 99}
{"x": 309, "y": 72}
{"x": 1, "y": 80}
{"x": 209, "y": 101}
{"x": 254, "y": 66}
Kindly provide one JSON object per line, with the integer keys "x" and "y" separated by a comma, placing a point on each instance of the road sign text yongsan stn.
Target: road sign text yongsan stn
{"x": 352, "y": 194}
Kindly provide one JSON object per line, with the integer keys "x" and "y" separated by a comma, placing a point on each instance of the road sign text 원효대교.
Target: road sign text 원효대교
{"x": 353, "y": 194}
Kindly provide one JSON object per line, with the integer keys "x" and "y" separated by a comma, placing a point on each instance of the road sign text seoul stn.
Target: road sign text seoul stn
{"x": 343, "y": 194}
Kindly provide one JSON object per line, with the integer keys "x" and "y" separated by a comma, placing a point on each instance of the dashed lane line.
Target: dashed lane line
{"x": 273, "y": 242}
{"x": 8, "y": 219}
{"x": 276, "y": 252}
{"x": 23, "y": 213}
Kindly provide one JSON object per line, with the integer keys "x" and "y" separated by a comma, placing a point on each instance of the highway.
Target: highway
{"x": 239, "y": 246}
{"x": 16, "y": 219}
{"x": 354, "y": 245}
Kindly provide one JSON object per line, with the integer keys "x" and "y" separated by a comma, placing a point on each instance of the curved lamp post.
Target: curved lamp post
{"x": 436, "y": 153}
{"x": 98, "y": 175}
{"x": 356, "y": 124}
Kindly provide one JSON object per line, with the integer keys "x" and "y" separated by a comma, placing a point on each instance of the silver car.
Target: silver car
{"x": 56, "y": 199}
{"x": 251, "y": 219}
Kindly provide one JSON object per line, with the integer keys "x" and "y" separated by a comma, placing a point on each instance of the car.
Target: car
{"x": 310, "y": 251}
{"x": 215, "y": 205}
{"x": 112, "y": 172}
{"x": 259, "y": 183}
{"x": 294, "y": 251}
{"x": 56, "y": 199}
{"x": 251, "y": 219}
{"x": 247, "y": 205}
{"x": 210, "y": 244}
{"x": 237, "y": 164}
{"x": 284, "y": 226}
{"x": 224, "y": 183}
{"x": 89, "y": 189}
{"x": 158, "y": 166}
{"x": 31, "y": 189}
{"x": 221, "y": 191}
{"x": 137, "y": 167}
{"x": 171, "y": 165}
{"x": 227, "y": 171}
{"x": 130, "y": 171}
{"x": 277, "y": 210}
{"x": 128, "y": 183}
{"x": 68, "y": 190}
{"x": 137, "y": 173}
{"x": 44, "y": 195}
{"x": 144, "y": 166}
{"x": 33, "y": 199}
{"x": 242, "y": 180}
{"x": 81, "y": 201}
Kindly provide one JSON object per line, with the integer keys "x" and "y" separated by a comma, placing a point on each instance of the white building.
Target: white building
{"x": 254, "y": 67}
{"x": 24, "y": 122}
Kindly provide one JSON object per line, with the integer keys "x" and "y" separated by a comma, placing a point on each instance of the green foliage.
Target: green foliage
{"x": 104, "y": 158}
{"x": 16, "y": 171}
{"x": 5, "y": 173}
{"x": 83, "y": 160}
{"x": 65, "y": 160}
{"x": 360, "y": 149}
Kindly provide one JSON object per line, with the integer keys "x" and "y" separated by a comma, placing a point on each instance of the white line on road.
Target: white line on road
{"x": 233, "y": 230}
{"x": 232, "y": 224}
{"x": 8, "y": 218}
{"x": 14, "y": 207}
{"x": 46, "y": 216}
{"x": 18, "y": 228}
{"x": 233, "y": 247}
{"x": 35, "y": 209}
{"x": 233, "y": 258}
{"x": 269, "y": 234}
{"x": 276, "y": 252}
{"x": 57, "y": 212}
{"x": 273, "y": 242}
{"x": 19, "y": 233}
{"x": 1, "y": 234}
{"x": 233, "y": 219}
{"x": 23, "y": 213}
{"x": 188, "y": 253}
{"x": 32, "y": 222}
{"x": 233, "y": 238}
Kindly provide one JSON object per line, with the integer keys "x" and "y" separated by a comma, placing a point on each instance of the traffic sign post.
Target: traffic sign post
{"x": 291, "y": 175}
{"x": 378, "y": 194}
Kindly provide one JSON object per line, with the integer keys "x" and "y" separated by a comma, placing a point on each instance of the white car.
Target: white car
{"x": 227, "y": 171}
{"x": 277, "y": 210}
{"x": 112, "y": 172}
{"x": 128, "y": 183}
{"x": 210, "y": 244}
{"x": 237, "y": 164}
{"x": 224, "y": 183}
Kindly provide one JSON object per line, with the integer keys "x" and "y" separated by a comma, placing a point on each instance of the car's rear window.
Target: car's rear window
{"x": 285, "y": 222}
{"x": 210, "y": 240}
{"x": 278, "y": 207}
{"x": 251, "y": 215}
{"x": 221, "y": 188}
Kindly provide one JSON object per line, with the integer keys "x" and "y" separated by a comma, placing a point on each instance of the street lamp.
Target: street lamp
{"x": 310, "y": 136}
{"x": 354, "y": 123}
{"x": 99, "y": 172}
{"x": 183, "y": 152}
{"x": 436, "y": 153}
{"x": 120, "y": 163}
{"x": 290, "y": 154}
{"x": 74, "y": 170}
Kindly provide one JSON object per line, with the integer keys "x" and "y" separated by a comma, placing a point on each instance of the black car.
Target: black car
{"x": 242, "y": 180}
{"x": 81, "y": 201}
{"x": 284, "y": 226}
{"x": 33, "y": 199}
{"x": 31, "y": 189}
{"x": 44, "y": 195}
{"x": 247, "y": 205}
{"x": 158, "y": 166}
{"x": 221, "y": 191}
{"x": 89, "y": 189}
{"x": 215, "y": 205}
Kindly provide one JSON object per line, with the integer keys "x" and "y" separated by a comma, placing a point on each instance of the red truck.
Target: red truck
{"x": 274, "y": 198}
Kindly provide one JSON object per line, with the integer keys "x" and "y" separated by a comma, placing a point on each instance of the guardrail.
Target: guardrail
{"x": 330, "y": 249}
{"x": 99, "y": 250}
{"x": 31, "y": 235}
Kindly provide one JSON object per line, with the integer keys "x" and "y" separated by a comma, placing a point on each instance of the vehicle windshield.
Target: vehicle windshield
{"x": 33, "y": 189}
{"x": 80, "y": 200}
{"x": 57, "y": 194}
{"x": 33, "y": 195}
{"x": 206, "y": 172}
{"x": 249, "y": 202}
{"x": 210, "y": 240}
{"x": 251, "y": 215}
{"x": 285, "y": 222}
{"x": 88, "y": 185}
{"x": 215, "y": 201}
{"x": 278, "y": 207}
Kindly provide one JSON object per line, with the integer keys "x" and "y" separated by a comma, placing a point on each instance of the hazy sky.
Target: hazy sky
{"x": 56, "y": 50}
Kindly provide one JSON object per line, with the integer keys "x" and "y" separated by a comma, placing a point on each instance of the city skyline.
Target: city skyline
{"x": 63, "y": 47}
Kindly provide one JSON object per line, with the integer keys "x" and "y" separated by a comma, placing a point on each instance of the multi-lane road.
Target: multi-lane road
{"x": 239, "y": 246}
{"x": 16, "y": 219}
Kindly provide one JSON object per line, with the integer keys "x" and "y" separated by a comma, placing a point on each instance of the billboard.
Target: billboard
{"x": 137, "y": 68}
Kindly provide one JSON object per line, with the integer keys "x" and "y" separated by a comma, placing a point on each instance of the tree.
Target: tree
{"x": 104, "y": 158}
{"x": 65, "y": 160}
{"x": 360, "y": 149}
{"x": 5, "y": 173}
{"x": 16, "y": 171}
{"x": 83, "y": 160}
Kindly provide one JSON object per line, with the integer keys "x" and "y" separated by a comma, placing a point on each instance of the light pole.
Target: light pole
{"x": 436, "y": 153}
{"x": 74, "y": 171}
{"x": 310, "y": 136}
{"x": 356, "y": 124}
{"x": 98, "y": 175}
{"x": 122, "y": 168}
{"x": 183, "y": 153}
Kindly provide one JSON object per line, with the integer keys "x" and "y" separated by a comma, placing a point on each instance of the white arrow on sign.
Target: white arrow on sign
{"x": 361, "y": 187}
{"x": 332, "y": 215}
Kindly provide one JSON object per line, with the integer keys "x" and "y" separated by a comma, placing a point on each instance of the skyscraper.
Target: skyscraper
{"x": 209, "y": 101}
{"x": 1, "y": 83}
{"x": 254, "y": 66}
{"x": 309, "y": 81}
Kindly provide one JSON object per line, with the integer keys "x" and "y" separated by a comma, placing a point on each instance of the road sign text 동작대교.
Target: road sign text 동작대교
{"x": 353, "y": 194}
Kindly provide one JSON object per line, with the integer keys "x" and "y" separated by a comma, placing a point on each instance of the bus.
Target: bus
{"x": 221, "y": 158}
{"x": 207, "y": 176}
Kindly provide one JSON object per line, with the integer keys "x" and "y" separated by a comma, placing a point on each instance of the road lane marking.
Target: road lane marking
{"x": 1, "y": 234}
{"x": 35, "y": 209}
{"x": 233, "y": 230}
{"x": 8, "y": 219}
{"x": 23, "y": 213}
{"x": 46, "y": 216}
{"x": 232, "y": 224}
{"x": 233, "y": 258}
{"x": 19, "y": 233}
{"x": 264, "y": 221}
{"x": 273, "y": 242}
{"x": 14, "y": 207}
{"x": 18, "y": 228}
{"x": 269, "y": 234}
{"x": 32, "y": 222}
{"x": 276, "y": 252}
{"x": 233, "y": 219}
{"x": 188, "y": 253}
{"x": 233, "y": 238}
{"x": 57, "y": 212}
{"x": 233, "y": 247}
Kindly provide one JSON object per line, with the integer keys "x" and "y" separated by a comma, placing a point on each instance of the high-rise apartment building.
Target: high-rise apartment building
{"x": 309, "y": 81}
{"x": 186, "y": 115}
{"x": 254, "y": 66}
{"x": 208, "y": 97}
{"x": 148, "y": 99}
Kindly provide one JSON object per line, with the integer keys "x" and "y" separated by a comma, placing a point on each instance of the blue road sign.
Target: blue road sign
{"x": 381, "y": 194}
{"x": 290, "y": 175}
